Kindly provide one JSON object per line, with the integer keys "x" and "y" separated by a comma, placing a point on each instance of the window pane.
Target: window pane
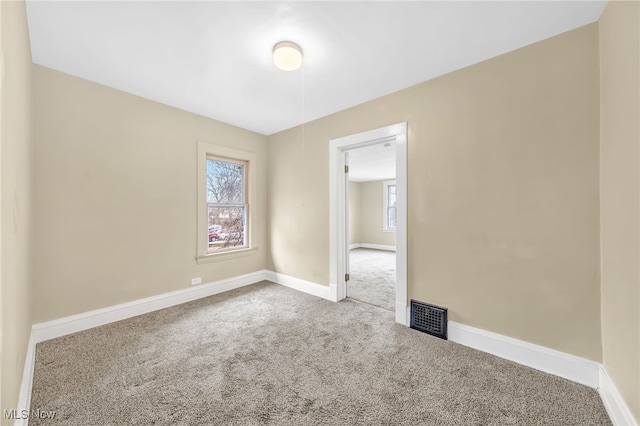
{"x": 225, "y": 182}
{"x": 392, "y": 195}
{"x": 226, "y": 227}
{"x": 391, "y": 218}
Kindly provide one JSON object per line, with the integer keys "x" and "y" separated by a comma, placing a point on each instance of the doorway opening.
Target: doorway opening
{"x": 371, "y": 209}
{"x": 372, "y": 277}
{"x": 396, "y": 137}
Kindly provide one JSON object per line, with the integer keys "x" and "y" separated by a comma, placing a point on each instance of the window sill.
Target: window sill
{"x": 388, "y": 230}
{"x": 216, "y": 257}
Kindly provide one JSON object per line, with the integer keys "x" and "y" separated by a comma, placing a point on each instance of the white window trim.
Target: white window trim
{"x": 385, "y": 201}
{"x": 207, "y": 149}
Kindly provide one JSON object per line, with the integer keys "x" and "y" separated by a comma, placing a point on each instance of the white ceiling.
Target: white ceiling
{"x": 214, "y": 58}
{"x": 373, "y": 162}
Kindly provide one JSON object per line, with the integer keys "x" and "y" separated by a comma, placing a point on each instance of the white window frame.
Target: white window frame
{"x": 385, "y": 204}
{"x": 206, "y": 150}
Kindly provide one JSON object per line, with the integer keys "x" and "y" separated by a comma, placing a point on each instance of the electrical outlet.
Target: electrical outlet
{"x": 195, "y": 281}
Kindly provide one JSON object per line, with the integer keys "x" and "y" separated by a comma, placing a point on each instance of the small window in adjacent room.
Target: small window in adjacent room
{"x": 226, "y": 203}
{"x": 389, "y": 196}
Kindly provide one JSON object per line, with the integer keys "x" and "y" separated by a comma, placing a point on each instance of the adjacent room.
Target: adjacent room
{"x": 372, "y": 225}
{"x": 320, "y": 212}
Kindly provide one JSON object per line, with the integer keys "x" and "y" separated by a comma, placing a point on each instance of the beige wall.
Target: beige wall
{"x": 369, "y": 218}
{"x": 502, "y": 186}
{"x": 503, "y": 194}
{"x": 115, "y": 195}
{"x": 15, "y": 211}
{"x": 620, "y": 196}
{"x": 354, "y": 213}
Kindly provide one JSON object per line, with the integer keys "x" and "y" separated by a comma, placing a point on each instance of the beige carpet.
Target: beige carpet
{"x": 372, "y": 276}
{"x": 266, "y": 354}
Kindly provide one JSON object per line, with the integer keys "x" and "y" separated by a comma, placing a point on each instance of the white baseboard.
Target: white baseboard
{"x": 541, "y": 358}
{"x": 84, "y": 321}
{"x": 615, "y": 405}
{"x": 561, "y": 364}
{"x": 372, "y": 246}
{"x": 24, "y": 399}
{"x": 326, "y": 292}
{"x": 74, "y": 323}
{"x": 571, "y": 367}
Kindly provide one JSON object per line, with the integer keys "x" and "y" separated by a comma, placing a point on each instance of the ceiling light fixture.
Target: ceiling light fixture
{"x": 287, "y": 56}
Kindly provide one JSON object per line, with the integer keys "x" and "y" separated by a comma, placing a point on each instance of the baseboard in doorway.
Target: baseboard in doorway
{"x": 372, "y": 246}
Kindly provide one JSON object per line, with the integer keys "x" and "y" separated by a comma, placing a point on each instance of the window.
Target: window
{"x": 389, "y": 205}
{"x": 226, "y": 206}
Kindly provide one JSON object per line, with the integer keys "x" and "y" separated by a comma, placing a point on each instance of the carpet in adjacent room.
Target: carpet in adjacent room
{"x": 372, "y": 277}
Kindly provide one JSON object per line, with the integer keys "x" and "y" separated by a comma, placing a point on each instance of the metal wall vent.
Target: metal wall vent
{"x": 429, "y": 319}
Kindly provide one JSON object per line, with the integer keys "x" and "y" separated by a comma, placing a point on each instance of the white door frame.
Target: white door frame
{"x": 337, "y": 229}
